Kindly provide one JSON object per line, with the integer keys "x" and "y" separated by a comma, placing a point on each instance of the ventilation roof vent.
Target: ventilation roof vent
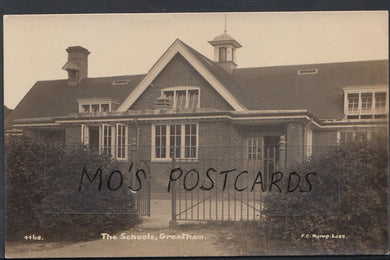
{"x": 308, "y": 72}
{"x": 120, "y": 82}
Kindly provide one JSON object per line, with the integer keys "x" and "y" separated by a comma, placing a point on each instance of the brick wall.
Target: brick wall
{"x": 73, "y": 135}
{"x": 294, "y": 138}
{"x": 217, "y": 140}
{"x": 324, "y": 141}
{"x": 179, "y": 72}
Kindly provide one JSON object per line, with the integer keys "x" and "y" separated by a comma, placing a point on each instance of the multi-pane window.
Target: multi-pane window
{"x": 183, "y": 98}
{"x": 254, "y": 148}
{"x": 88, "y": 108}
{"x": 349, "y": 136}
{"x": 366, "y": 105}
{"x": 175, "y": 141}
{"x": 160, "y": 141}
{"x": 107, "y": 139}
{"x": 111, "y": 139}
{"x": 190, "y": 141}
{"x": 179, "y": 139}
{"x": 353, "y": 103}
{"x": 121, "y": 141}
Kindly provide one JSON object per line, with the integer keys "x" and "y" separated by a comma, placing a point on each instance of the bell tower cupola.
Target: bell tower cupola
{"x": 225, "y": 50}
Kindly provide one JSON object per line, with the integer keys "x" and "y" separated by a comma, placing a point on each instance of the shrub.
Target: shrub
{"x": 42, "y": 195}
{"x": 351, "y": 189}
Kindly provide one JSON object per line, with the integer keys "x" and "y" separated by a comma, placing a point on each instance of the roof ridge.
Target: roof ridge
{"x": 313, "y": 64}
{"x": 107, "y": 77}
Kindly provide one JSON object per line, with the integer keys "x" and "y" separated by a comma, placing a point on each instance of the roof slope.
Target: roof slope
{"x": 280, "y": 87}
{"x": 262, "y": 88}
{"x": 57, "y": 98}
{"x": 222, "y": 76}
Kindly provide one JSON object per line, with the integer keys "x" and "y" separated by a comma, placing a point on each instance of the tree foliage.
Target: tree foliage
{"x": 349, "y": 198}
{"x": 42, "y": 195}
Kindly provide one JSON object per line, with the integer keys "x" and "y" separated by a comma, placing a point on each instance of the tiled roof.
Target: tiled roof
{"x": 321, "y": 93}
{"x": 57, "y": 98}
{"x": 263, "y": 88}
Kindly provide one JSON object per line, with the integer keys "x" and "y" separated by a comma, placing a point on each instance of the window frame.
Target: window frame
{"x": 354, "y": 133}
{"x": 187, "y": 90}
{"x": 99, "y": 102}
{"x": 183, "y": 146}
{"x": 362, "y": 114}
{"x": 259, "y": 143}
{"x": 103, "y": 138}
{"x": 125, "y": 130}
{"x": 113, "y": 139}
{"x": 222, "y": 53}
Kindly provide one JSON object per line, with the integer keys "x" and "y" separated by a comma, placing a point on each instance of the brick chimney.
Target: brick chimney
{"x": 77, "y": 64}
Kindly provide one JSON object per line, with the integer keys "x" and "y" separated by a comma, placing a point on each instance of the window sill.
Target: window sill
{"x": 177, "y": 160}
{"x": 122, "y": 159}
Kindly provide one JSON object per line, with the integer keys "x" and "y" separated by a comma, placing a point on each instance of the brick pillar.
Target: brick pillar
{"x": 294, "y": 136}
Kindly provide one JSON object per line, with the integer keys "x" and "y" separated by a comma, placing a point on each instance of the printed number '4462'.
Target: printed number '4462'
{"x": 33, "y": 237}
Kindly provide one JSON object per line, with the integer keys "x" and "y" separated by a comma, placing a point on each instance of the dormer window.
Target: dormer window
{"x": 183, "y": 98}
{"x": 96, "y": 106}
{"x": 365, "y": 103}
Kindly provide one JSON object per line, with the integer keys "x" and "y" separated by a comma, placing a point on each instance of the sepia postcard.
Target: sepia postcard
{"x": 196, "y": 134}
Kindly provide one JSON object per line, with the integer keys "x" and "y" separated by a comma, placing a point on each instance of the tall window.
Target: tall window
{"x": 107, "y": 140}
{"x": 254, "y": 148}
{"x": 160, "y": 141}
{"x": 222, "y": 54}
{"x": 365, "y": 105}
{"x": 179, "y": 139}
{"x": 121, "y": 141}
{"x": 175, "y": 141}
{"x": 183, "y": 98}
{"x": 190, "y": 141}
{"x": 84, "y": 134}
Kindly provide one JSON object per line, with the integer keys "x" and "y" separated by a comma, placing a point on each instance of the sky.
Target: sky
{"x": 127, "y": 44}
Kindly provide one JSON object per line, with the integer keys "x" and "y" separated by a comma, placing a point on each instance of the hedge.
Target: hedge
{"x": 43, "y": 197}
